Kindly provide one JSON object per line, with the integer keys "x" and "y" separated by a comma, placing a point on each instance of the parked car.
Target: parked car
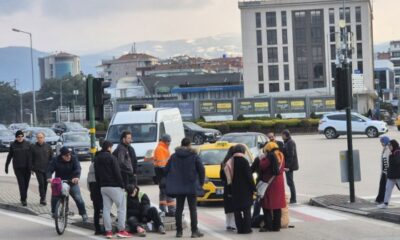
{"x": 62, "y": 127}
{"x": 3, "y": 127}
{"x": 51, "y": 137}
{"x": 253, "y": 140}
{"x": 200, "y": 135}
{"x": 78, "y": 143}
{"x": 14, "y": 127}
{"x": 212, "y": 155}
{"x": 332, "y": 125}
{"x": 6, "y": 138}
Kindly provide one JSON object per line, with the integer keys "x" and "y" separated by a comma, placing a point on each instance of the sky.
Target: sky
{"x": 87, "y": 26}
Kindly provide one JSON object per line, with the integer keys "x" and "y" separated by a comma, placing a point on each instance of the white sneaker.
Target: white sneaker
{"x": 382, "y": 206}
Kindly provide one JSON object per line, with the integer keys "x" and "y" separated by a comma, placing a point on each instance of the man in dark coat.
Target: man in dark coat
{"x": 291, "y": 162}
{"x": 185, "y": 178}
{"x": 20, "y": 153}
{"x": 243, "y": 188}
{"x": 41, "y": 158}
{"x": 127, "y": 158}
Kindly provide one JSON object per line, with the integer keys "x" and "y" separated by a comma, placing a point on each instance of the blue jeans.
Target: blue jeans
{"x": 75, "y": 193}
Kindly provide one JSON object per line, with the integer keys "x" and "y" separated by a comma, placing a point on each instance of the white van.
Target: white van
{"x": 147, "y": 125}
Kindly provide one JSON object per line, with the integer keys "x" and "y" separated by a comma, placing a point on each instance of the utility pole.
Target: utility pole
{"x": 92, "y": 125}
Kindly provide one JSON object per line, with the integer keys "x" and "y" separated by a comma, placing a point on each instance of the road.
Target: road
{"x": 319, "y": 174}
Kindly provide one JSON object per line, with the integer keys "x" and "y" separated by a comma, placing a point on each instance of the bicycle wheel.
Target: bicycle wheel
{"x": 61, "y": 216}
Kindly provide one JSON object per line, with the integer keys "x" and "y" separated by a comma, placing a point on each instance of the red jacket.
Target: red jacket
{"x": 275, "y": 195}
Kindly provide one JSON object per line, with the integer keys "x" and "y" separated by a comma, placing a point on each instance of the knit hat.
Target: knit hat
{"x": 64, "y": 151}
{"x": 166, "y": 138}
{"x": 18, "y": 133}
{"x": 385, "y": 140}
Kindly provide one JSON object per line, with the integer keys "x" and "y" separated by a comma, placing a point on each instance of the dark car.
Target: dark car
{"x": 51, "y": 137}
{"x": 78, "y": 143}
{"x": 253, "y": 140}
{"x": 200, "y": 135}
{"x": 62, "y": 127}
{"x": 6, "y": 138}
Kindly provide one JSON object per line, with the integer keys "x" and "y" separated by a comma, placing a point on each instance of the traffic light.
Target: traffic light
{"x": 343, "y": 88}
{"x": 99, "y": 97}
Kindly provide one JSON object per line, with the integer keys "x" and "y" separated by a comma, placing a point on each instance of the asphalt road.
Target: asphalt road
{"x": 319, "y": 174}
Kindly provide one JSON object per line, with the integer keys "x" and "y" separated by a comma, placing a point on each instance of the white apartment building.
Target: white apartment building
{"x": 289, "y": 46}
{"x": 394, "y": 51}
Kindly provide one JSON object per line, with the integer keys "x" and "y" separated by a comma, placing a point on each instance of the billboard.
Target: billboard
{"x": 322, "y": 105}
{"x": 291, "y": 108}
{"x": 254, "y": 107}
{"x": 185, "y": 107}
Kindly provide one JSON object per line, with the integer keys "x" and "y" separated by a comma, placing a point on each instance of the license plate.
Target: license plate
{"x": 219, "y": 191}
{"x": 81, "y": 153}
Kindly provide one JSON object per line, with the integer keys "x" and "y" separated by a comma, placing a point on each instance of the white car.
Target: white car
{"x": 332, "y": 125}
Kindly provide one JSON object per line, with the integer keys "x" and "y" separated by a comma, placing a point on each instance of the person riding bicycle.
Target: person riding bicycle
{"x": 68, "y": 168}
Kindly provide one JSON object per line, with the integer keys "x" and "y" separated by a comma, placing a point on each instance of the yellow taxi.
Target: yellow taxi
{"x": 212, "y": 156}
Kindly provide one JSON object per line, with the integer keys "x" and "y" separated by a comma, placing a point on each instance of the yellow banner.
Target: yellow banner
{"x": 224, "y": 105}
{"x": 261, "y": 104}
{"x": 297, "y": 103}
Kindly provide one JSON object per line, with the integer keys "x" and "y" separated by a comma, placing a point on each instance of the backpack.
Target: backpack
{"x": 274, "y": 164}
{"x": 56, "y": 187}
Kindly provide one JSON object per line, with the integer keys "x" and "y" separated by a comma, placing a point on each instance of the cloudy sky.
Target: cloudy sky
{"x": 84, "y": 26}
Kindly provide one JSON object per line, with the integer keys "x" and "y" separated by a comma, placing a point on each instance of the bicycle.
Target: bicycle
{"x": 61, "y": 210}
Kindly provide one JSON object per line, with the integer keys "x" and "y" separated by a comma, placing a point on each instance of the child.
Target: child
{"x": 139, "y": 211}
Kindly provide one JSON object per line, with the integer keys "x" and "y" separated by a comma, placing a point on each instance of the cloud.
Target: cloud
{"x": 8, "y": 7}
{"x": 78, "y": 9}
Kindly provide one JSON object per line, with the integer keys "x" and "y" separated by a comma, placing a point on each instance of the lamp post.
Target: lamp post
{"x": 32, "y": 72}
{"x": 378, "y": 103}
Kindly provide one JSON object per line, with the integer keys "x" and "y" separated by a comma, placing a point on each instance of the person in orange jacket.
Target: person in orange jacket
{"x": 160, "y": 160}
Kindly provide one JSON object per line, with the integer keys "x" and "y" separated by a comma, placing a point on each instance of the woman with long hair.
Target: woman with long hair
{"x": 228, "y": 204}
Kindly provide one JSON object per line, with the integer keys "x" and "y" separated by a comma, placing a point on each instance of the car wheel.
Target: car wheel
{"x": 330, "y": 133}
{"x": 372, "y": 132}
{"x": 398, "y": 128}
{"x": 337, "y": 136}
{"x": 198, "y": 139}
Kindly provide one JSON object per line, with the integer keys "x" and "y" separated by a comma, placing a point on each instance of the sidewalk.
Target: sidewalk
{"x": 359, "y": 207}
{"x": 9, "y": 199}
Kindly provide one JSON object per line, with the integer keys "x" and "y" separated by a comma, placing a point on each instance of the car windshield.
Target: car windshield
{"x": 73, "y": 125}
{"x": 47, "y": 132}
{"x": 212, "y": 156}
{"x": 141, "y": 132}
{"x": 192, "y": 126}
{"x": 6, "y": 133}
{"x": 248, "y": 140}
{"x": 83, "y": 137}
{"x": 362, "y": 117}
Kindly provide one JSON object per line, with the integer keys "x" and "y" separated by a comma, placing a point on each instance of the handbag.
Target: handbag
{"x": 261, "y": 188}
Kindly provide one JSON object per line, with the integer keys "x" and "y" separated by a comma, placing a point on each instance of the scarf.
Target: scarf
{"x": 229, "y": 167}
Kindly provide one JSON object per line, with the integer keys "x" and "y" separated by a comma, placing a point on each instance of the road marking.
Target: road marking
{"x": 316, "y": 213}
{"x": 211, "y": 232}
{"x": 46, "y": 223}
{"x": 373, "y": 197}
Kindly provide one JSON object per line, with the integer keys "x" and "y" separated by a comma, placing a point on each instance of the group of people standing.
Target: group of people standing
{"x": 239, "y": 185}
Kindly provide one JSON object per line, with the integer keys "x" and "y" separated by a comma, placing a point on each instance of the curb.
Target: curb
{"x": 20, "y": 209}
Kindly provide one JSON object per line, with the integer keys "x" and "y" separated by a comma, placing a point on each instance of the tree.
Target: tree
{"x": 9, "y": 103}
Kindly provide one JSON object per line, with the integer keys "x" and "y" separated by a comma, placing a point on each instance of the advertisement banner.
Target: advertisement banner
{"x": 186, "y": 108}
{"x": 207, "y": 107}
{"x": 297, "y": 106}
{"x": 261, "y": 107}
{"x": 224, "y": 107}
{"x": 282, "y": 106}
{"x": 245, "y": 106}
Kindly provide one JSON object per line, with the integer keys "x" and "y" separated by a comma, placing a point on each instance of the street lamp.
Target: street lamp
{"x": 33, "y": 79}
{"x": 378, "y": 103}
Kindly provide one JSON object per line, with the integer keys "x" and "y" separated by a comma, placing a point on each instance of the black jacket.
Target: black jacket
{"x": 185, "y": 172}
{"x": 20, "y": 153}
{"x": 136, "y": 207}
{"x": 64, "y": 170}
{"x": 393, "y": 171}
{"x": 290, "y": 153}
{"x": 107, "y": 170}
{"x": 126, "y": 157}
{"x": 243, "y": 186}
{"x": 41, "y": 156}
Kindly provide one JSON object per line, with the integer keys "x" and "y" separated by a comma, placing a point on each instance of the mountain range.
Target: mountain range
{"x": 15, "y": 61}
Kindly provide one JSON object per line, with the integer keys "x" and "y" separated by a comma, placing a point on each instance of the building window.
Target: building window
{"x": 286, "y": 72}
{"x": 301, "y": 54}
{"x": 261, "y": 88}
{"x": 316, "y": 34}
{"x": 318, "y": 70}
{"x": 358, "y": 33}
{"x": 317, "y": 53}
{"x": 301, "y": 85}
{"x": 284, "y": 36}
{"x": 302, "y": 71}
{"x": 316, "y": 17}
{"x": 347, "y": 14}
{"x": 333, "y": 70}
{"x": 333, "y": 52}
{"x": 318, "y": 84}
{"x": 259, "y": 38}
{"x": 359, "y": 51}
{"x": 332, "y": 34}
{"x": 331, "y": 16}
{"x": 259, "y": 55}
{"x": 271, "y": 37}
{"x": 358, "y": 14}
{"x": 274, "y": 87}
{"x": 287, "y": 86}
{"x": 300, "y": 35}
{"x": 300, "y": 18}
{"x": 258, "y": 20}
{"x": 273, "y": 73}
{"x": 271, "y": 19}
{"x": 260, "y": 73}
{"x": 360, "y": 66}
{"x": 285, "y": 54}
{"x": 272, "y": 55}
{"x": 283, "y": 17}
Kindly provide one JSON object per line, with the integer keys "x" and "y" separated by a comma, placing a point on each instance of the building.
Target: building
{"x": 394, "y": 50}
{"x": 125, "y": 66}
{"x": 59, "y": 65}
{"x": 384, "y": 76}
{"x": 290, "y": 45}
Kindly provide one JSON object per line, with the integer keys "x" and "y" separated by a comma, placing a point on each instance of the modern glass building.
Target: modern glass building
{"x": 59, "y": 65}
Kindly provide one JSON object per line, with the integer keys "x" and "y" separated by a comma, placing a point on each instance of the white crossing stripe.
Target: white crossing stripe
{"x": 320, "y": 213}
